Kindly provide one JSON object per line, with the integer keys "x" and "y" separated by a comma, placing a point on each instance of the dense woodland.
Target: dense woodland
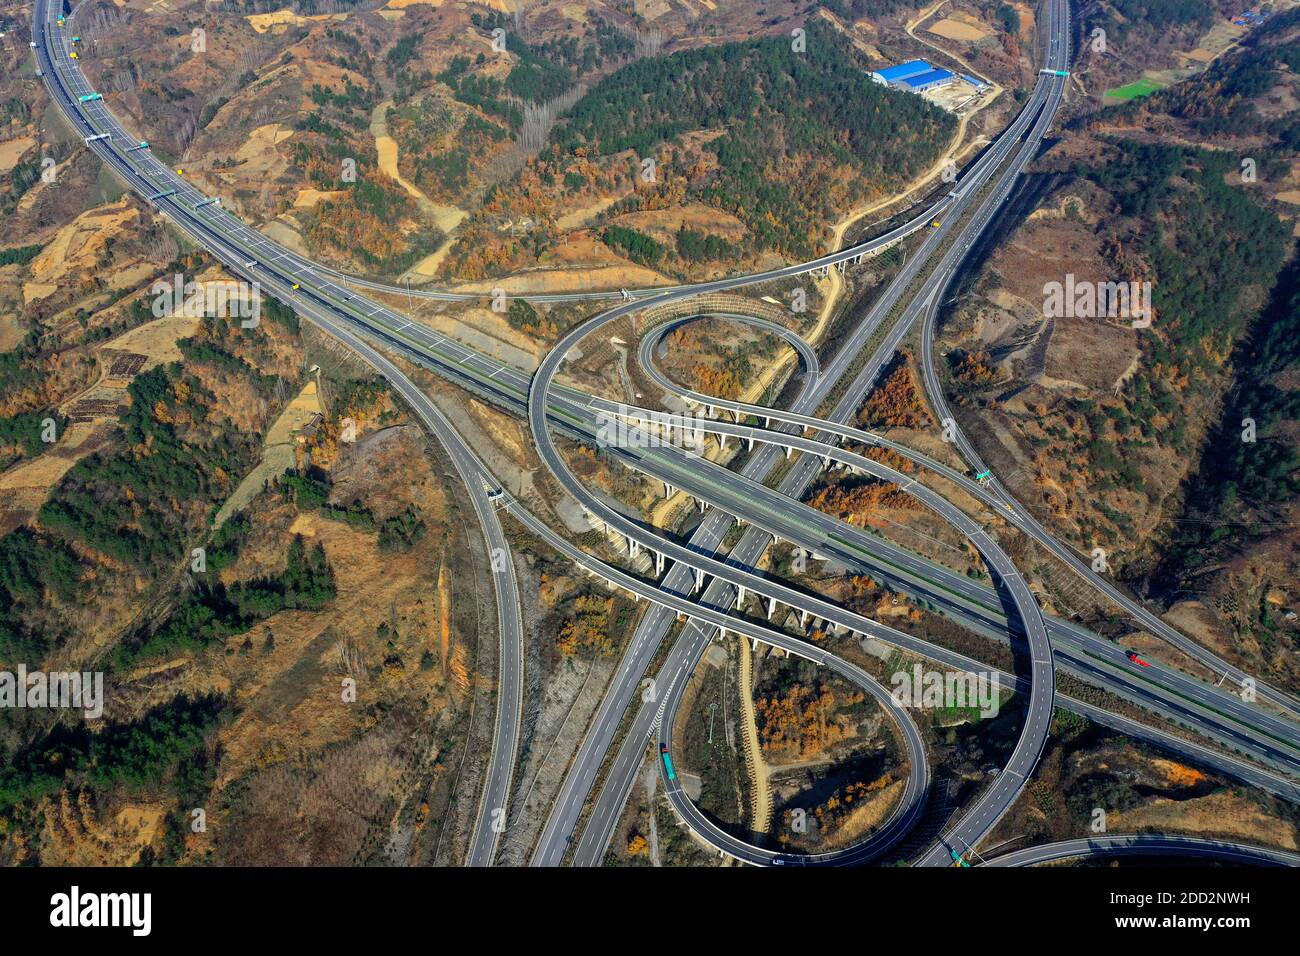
{"x": 135, "y": 755}
{"x": 1246, "y": 491}
{"x": 1208, "y": 248}
{"x": 799, "y": 130}
{"x": 785, "y": 141}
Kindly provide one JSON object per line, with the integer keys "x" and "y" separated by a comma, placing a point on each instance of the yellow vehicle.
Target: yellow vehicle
{"x": 73, "y": 55}
{"x": 296, "y": 287}
{"x": 935, "y": 224}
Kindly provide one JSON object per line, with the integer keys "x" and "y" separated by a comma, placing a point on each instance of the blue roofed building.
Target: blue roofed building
{"x": 894, "y": 74}
{"x": 927, "y": 80}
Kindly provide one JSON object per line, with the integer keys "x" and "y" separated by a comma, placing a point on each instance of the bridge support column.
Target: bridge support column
{"x": 753, "y": 644}
{"x": 803, "y": 618}
{"x": 722, "y": 442}
{"x": 632, "y": 547}
{"x": 750, "y": 442}
{"x": 771, "y": 607}
{"x": 668, "y": 490}
{"x": 787, "y": 452}
{"x": 740, "y": 597}
{"x": 659, "y": 562}
{"x": 699, "y": 580}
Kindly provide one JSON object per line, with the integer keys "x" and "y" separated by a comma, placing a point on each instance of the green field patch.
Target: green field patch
{"x": 1131, "y": 91}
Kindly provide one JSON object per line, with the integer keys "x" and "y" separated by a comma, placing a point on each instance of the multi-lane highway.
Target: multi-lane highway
{"x": 708, "y": 537}
{"x": 988, "y": 809}
{"x": 315, "y": 292}
{"x": 1087, "y": 654}
{"x": 911, "y": 803}
{"x": 998, "y": 797}
{"x": 713, "y": 618}
{"x": 565, "y": 813}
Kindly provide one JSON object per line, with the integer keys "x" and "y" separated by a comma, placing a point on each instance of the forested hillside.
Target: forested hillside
{"x": 137, "y": 505}
{"x": 798, "y": 129}
{"x": 1247, "y": 491}
{"x": 783, "y": 141}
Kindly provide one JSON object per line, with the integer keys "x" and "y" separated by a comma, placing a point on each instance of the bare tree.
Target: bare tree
{"x": 539, "y": 118}
{"x": 648, "y": 41}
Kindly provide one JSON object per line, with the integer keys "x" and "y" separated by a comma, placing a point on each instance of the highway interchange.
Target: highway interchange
{"x": 363, "y": 324}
